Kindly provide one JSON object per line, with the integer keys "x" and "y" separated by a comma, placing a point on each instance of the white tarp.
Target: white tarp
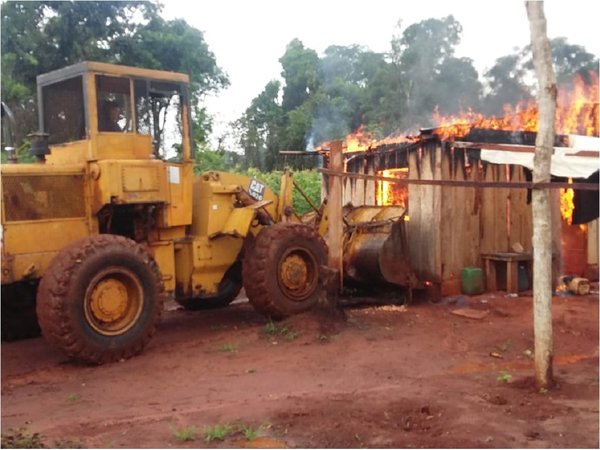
{"x": 562, "y": 164}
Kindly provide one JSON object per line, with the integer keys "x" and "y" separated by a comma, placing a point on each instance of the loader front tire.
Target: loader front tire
{"x": 100, "y": 299}
{"x": 282, "y": 270}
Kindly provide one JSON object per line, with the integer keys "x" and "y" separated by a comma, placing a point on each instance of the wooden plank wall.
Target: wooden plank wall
{"x": 424, "y": 207}
{"x": 347, "y": 191}
{"x": 358, "y": 189}
{"x": 370, "y": 189}
{"x": 521, "y": 218}
{"x": 505, "y": 215}
{"x": 493, "y": 224}
{"x": 460, "y": 219}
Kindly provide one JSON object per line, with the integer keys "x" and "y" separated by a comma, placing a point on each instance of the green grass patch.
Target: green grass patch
{"x": 504, "y": 377}
{"x": 67, "y": 443}
{"x": 228, "y": 348}
{"x": 217, "y": 432}
{"x": 251, "y": 433}
{"x": 273, "y": 329}
{"x": 186, "y": 434}
{"x": 21, "y": 438}
{"x": 73, "y": 397}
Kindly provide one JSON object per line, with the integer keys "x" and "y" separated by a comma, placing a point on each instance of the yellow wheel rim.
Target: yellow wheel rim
{"x": 297, "y": 274}
{"x": 113, "y": 301}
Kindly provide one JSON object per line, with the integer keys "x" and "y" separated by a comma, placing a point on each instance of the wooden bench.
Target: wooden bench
{"x": 512, "y": 269}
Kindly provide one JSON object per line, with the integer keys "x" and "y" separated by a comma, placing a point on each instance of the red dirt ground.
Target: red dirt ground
{"x": 388, "y": 376}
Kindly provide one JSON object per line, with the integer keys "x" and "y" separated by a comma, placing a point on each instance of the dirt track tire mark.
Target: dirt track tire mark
{"x": 262, "y": 267}
{"x": 63, "y": 297}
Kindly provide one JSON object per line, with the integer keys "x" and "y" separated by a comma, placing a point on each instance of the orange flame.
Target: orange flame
{"x": 359, "y": 140}
{"x": 566, "y": 203}
{"x": 390, "y": 193}
{"x": 576, "y": 113}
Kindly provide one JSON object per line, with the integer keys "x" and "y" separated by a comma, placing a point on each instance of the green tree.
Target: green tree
{"x": 24, "y": 55}
{"x": 420, "y": 55}
{"x": 386, "y": 100}
{"x": 301, "y": 74}
{"x": 338, "y": 106}
{"x": 38, "y": 37}
{"x": 172, "y": 45}
{"x": 260, "y": 128}
{"x": 457, "y": 86}
{"x": 506, "y": 81}
{"x": 297, "y": 128}
{"x": 80, "y": 31}
{"x": 507, "y": 78}
{"x": 570, "y": 60}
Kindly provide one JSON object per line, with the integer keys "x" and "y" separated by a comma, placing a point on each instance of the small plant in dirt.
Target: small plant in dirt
{"x": 186, "y": 434}
{"x": 324, "y": 338}
{"x": 270, "y": 328}
{"x": 504, "y": 377}
{"x": 73, "y": 397}
{"x": 251, "y": 433}
{"x": 216, "y": 433}
{"x": 21, "y": 438}
{"x": 229, "y": 348}
{"x": 273, "y": 329}
{"x": 291, "y": 335}
{"x": 67, "y": 443}
{"x": 504, "y": 346}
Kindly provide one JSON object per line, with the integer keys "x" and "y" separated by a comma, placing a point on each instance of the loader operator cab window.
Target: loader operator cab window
{"x": 114, "y": 110}
{"x": 63, "y": 111}
{"x": 158, "y": 109}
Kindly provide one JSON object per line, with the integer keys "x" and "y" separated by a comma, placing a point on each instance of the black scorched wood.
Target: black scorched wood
{"x": 509, "y": 137}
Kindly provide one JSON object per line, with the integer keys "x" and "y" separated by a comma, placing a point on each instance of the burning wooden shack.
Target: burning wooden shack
{"x": 467, "y": 193}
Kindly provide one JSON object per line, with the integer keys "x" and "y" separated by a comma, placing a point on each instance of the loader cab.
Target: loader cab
{"x": 95, "y": 111}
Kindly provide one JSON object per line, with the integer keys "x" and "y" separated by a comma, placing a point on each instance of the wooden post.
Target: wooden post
{"x": 334, "y": 206}
{"x": 542, "y": 220}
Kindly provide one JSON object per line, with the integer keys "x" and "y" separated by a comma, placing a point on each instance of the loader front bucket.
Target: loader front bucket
{"x": 376, "y": 248}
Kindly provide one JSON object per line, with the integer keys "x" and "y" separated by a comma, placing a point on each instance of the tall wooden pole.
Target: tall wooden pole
{"x": 542, "y": 218}
{"x": 334, "y": 206}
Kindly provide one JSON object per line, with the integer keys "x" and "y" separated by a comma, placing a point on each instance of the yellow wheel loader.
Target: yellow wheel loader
{"x": 111, "y": 220}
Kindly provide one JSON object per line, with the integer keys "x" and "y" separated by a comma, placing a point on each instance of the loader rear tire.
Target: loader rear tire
{"x": 282, "y": 270}
{"x": 229, "y": 288}
{"x": 100, "y": 299}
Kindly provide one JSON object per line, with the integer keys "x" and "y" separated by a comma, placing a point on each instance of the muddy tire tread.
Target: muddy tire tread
{"x": 258, "y": 267}
{"x": 52, "y": 301}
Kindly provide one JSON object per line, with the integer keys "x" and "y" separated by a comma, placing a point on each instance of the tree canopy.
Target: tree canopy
{"x": 41, "y": 36}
